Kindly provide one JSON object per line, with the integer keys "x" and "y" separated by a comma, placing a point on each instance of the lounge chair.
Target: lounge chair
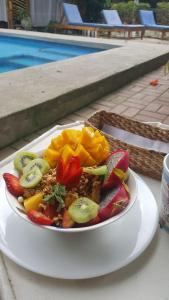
{"x": 148, "y": 20}
{"x": 112, "y": 18}
{"x": 75, "y": 22}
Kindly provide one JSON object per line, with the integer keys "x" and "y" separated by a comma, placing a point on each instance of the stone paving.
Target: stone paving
{"x": 138, "y": 100}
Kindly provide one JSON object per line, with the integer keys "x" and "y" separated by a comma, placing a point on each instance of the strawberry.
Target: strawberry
{"x": 13, "y": 185}
{"x": 39, "y": 218}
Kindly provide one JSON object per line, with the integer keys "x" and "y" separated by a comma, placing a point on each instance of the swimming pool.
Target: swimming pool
{"x": 17, "y": 53}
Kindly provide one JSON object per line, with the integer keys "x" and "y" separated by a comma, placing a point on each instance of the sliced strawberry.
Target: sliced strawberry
{"x": 39, "y": 218}
{"x": 69, "y": 173}
{"x": 50, "y": 211}
{"x": 13, "y": 185}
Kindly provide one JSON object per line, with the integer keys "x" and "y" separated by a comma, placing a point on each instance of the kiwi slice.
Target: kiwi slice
{"x": 38, "y": 162}
{"x": 83, "y": 210}
{"x": 31, "y": 178}
{"x": 22, "y": 159}
{"x": 99, "y": 171}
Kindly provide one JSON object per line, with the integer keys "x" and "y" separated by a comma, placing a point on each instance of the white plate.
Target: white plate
{"x": 79, "y": 256}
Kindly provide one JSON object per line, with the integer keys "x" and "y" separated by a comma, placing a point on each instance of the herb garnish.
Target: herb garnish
{"x": 57, "y": 196}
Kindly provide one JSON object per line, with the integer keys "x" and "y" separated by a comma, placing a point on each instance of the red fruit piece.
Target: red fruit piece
{"x": 50, "y": 211}
{"x": 13, "y": 185}
{"x": 39, "y": 218}
{"x": 67, "y": 221}
{"x": 154, "y": 82}
{"x": 114, "y": 202}
{"x": 94, "y": 221}
{"x": 69, "y": 173}
{"x": 117, "y": 164}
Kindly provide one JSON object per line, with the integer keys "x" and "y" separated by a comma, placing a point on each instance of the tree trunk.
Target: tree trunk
{"x": 153, "y": 3}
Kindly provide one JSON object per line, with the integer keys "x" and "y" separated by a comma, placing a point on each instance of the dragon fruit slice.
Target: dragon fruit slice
{"x": 117, "y": 164}
{"x": 114, "y": 202}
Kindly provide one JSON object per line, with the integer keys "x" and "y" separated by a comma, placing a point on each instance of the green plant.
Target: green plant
{"x": 162, "y": 13}
{"x": 129, "y": 11}
{"x": 21, "y": 14}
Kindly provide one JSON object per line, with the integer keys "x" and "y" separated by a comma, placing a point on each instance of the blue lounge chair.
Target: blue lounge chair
{"x": 75, "y": 22}
{"x": 148, "y": 20}
{"x": 112, "y": 18}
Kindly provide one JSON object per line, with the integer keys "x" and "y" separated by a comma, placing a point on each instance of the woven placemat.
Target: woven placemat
{"x": 144, "y": 161}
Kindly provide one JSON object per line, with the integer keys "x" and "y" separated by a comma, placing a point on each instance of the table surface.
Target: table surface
{"x": 145, "y": 278}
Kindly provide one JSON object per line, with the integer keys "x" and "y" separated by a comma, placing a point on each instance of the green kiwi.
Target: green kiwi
{"x": 83, "y": 210}
{"x": 38, "y": 162}
{"x": 98, "y": 171}
{"x": 22, "y": 159}
{"x": 31, "y": 178}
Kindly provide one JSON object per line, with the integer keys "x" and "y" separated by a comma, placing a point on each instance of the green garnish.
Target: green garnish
{"x": 57, "y": 196}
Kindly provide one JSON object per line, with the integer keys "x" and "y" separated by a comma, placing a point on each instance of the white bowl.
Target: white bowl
{"x": 18, "y": 208}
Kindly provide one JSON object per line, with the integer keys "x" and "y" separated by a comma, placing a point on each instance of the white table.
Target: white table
{"x": 145, "y": 278}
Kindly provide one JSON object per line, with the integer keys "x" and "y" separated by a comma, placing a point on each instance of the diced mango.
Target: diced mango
{"x": 89, "y": 161}
{"x": 87, "y": 136}
{"x": 33, "y": 202}
{"x": 51, "y": 156}
{"x": 106, "y": 148}
{"x": 57, "y": 142}
{"x": 71, "y": 137}
{"x": 95, "y": 142}
{"x": 51, "y": 147}
{"x": 98, "y": 134}
{"x": 97, "y": 153}
{"x": 85, "y": 158}
{"x": 89, "y": 144}
{"x": 67, "y": 153}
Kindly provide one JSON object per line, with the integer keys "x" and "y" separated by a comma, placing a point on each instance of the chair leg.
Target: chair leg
{"x": 109, "y": 34}
{"x": 97, "y": 33}
{"x": 163, "y": 35}
{"x": 129, "y": 34}
{"x": 142, "y": 34}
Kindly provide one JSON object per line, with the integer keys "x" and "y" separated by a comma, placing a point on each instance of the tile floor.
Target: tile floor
{"x": 138, "y": 100}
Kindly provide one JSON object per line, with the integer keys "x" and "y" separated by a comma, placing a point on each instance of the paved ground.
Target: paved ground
{"x": 138, "y": 100}
{"x": 51, "y": 87}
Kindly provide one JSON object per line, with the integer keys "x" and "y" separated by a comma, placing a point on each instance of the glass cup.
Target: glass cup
{"x": 164, "y": 205}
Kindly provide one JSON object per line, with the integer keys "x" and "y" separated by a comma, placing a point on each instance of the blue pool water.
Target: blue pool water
{"x": 17, "y": 53}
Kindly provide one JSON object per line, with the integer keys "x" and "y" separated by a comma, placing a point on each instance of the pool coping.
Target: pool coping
{"x": 51, "y": 91}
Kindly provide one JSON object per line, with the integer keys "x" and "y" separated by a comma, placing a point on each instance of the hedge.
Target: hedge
{"x": 162, "y": 13}
{"x": 129, "y": 11}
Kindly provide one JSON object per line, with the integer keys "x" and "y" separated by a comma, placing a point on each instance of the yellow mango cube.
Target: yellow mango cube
{"x": 87, "y": 136}
{"x": 33, "y": 202}
{"x": 71, "y": 137}
{"x": 97, "y": 153}
{"x": 57, "y": 142}
{"x": 67, "y": 153}
{"x": 51, "y": 156}
{"x": 85, "y": 158}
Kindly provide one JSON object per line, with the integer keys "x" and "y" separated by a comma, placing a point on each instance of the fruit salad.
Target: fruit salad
{"x": 76, "y": 182}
